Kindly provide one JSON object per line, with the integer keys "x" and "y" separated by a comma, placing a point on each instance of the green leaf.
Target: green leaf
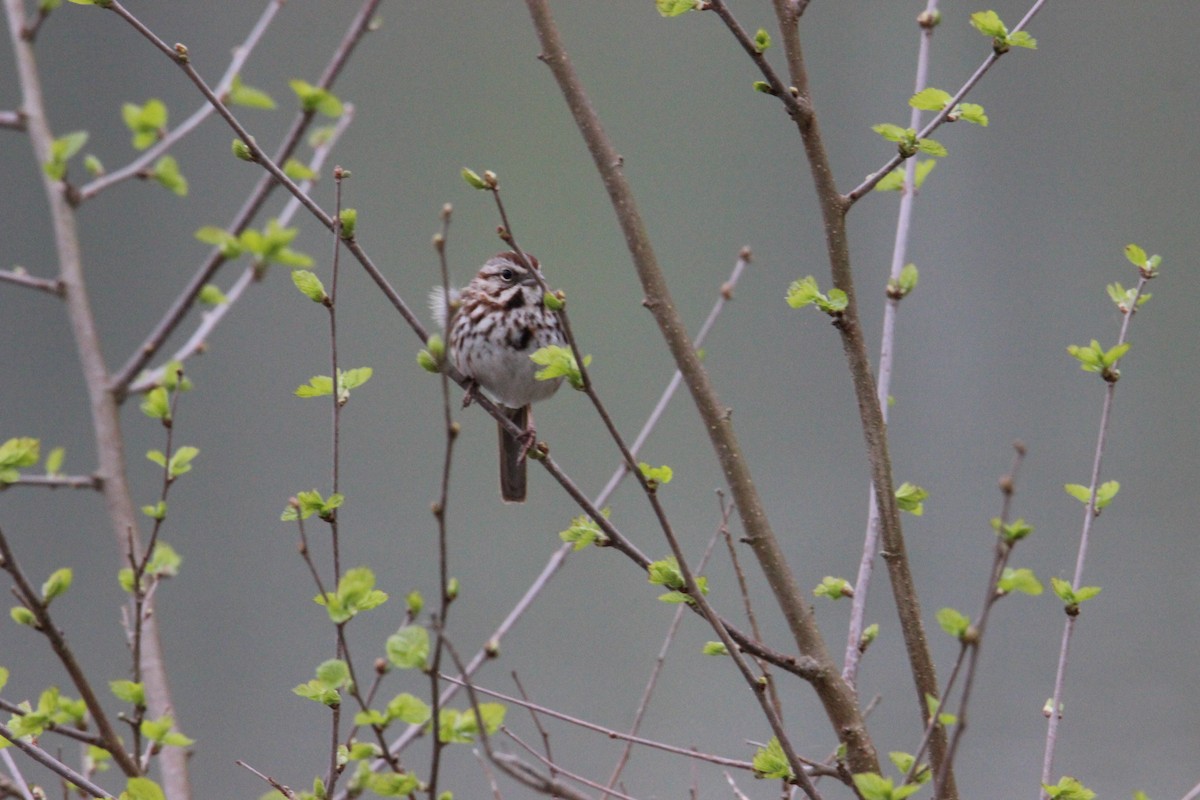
{"x": 61, "y": 151}
{"x": 228, "y": 244}
{"x": 715, "y": 649}
{"x": 1106, "y": 492}
{"x": 356, "y": 590}
{"x": 241, "y": 150}
{"x": 763, "y": 86}
{"x": 1013, "y": 531}
{"x": 54, "y": 461}
{"x": 1136, "y": 255}
{"x": 666, "y": 573}
{"x": 313, "y": 98}
{"x": 930, "y": 99}
{"x": 22, "y": 616}
{"x": 656, "y": 476}
{"x": 904, "y": 764}
{"x": 894, "y": 133}
{"x": 770, "y": 761}
{"x": 93, "y": 165}
{"x": 909, "y": 275}
{"x": 318, "y": 692}
{"x": 673, "y": 8}
{"x": 334, "y": 673}
{"x": 1022, "y": 39}
{"x": 317, "y": 386}
{"x": 128, "y": 691}
{"x": 803, "y": 292}
{"x": 3, "y": 677}
{"x": 348, "y": 217}
{"x": 559, "y": 362}
{"x": 462, "y": 726}
{"x": 408, "y": 709}
{"x": 309, "y": 285}
{"x": 973, "y": 113}
{"x": 298, "y": 170}
{"x": 989, "y": 24}
{"x": 762, "y": 40}
{"x": 162, "y": 731}
{"x": 164, "y": 561}
{"x": 137, "y": 788}
{"x": 931, "y": 148}
{"x": 157, "y": 404}
{"x": 473, "y": 179}
{"x": 166, "y": 172}
{"x": 57, "y": 584}
{"x": 211, "y": 295}
{"x": 953, "y": 622}
{"x": 157, "y": 457}
{"x": 583, "y": 531}
{"x": 1068, "y": 788}
{"x": 910, "y": 498}
{"x": 408, "y": 648}
{"x": 181, "y": 461}
{"x": 1019, "y": 580}
{"x": 354, "y": 378}
{"x": 393, "y": 784}
{"x": 414, "y": 603}
{"x": 147, "y": 122}
{"x": 242, "y": 95}
{"x": 834, "y": 588}
{"x": 16, "y": 453}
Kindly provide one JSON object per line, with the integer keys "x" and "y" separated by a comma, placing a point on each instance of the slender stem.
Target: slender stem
{"x": 197, "y": 342}
{"x": 137, "y": 167}
{"x": 875, "y": 177}
{"x": 21, "y": 278}
{"x": 241, "y": 220}
{"x": 12, "y": 120}
{"x": 51, "y": 763}
{"x": 1089, "y": 516}
{"x": 32, "y": 600}
{"x": 652, "y": 681}
{"x": 908, "y": 195}
{"x": 439, "y": 510}
{"x": 103, "y": 404}
{"x": 58, "y": 482}
{"x": 835, "y": 694}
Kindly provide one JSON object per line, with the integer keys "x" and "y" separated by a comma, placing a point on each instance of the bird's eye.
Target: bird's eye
{"x": 507, "y": 275}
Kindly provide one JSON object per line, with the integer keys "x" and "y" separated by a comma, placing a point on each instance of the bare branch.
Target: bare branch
{"x": 21, "y": 278}
{"x": 53, "y": 764}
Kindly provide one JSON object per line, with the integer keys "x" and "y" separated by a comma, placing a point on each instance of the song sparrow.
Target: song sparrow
{"x": 496, "y": 321}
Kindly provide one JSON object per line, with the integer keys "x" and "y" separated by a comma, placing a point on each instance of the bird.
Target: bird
{"x": 496, "y": 321}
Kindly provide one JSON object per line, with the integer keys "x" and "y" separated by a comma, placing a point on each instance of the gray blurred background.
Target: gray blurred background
{"x": 1091, "y": 146}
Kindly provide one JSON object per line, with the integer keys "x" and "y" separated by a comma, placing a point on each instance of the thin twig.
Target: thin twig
{"x": 241, "y": 220}
{"x": 62, "y": 730}
{"x": 875, "y": 177}
{"x": 12, "y": 120}
{"x": 439, "y": 509}
{"x": 887, "y": 349}
{"x": 276, "y": 785}
{"x": 138, "y": 166}
{"x": 211, "y": 318}
{"x": 57, "y": 482}
{"x": 652, "y": 681}
{"x": 555, "y": 769}
{"x": 32, "y": 600}
{"x": 22, "y": 278}
{"x": 836, "y": 696}
{"x": 53, "y": 764}
{"x": 1090, "y": 513}
{"x": 18, "y": 786}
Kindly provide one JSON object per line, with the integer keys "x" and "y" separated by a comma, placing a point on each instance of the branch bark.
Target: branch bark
{"x": 836, "y": 695}
{"x": 102, "y": 403}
